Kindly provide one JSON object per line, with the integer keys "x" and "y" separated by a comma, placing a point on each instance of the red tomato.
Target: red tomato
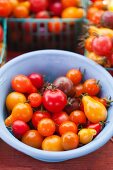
{"x": 36, "y": 79}
{"x": 56, "y": 8}
{"x": 78, "y": 117}
{"x": 35, "y": 99}
{"x": 96, "y": 17}
{"x": 1, "y": 33}
{"x": 19, "y": 128}
{"x": 97, "y": 126}
{"x": 60, "y": 117}
{"x": 5, "y": 8}
{"x": 22, "y": 84}
{"x": 39, "y": 115}
{"x": 91, "y": 87}
{"x": 79, "y": 90}
{"x": 54, "y": 100}
{"x": 42, "y": 15}
{"x": 46, "y": 127}
{"x": 67, "y": 127}
{"x": 38, "y": 5}
{"x": 70, "y": 140}
{"x": 102, "y": 45}
{"x": 74, "y": 75}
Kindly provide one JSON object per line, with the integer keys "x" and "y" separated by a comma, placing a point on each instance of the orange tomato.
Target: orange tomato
{"x": 26, "y": 4}
{"x": 68, "y": 126}
{"x": 20, "y": 112}
{"x": 32, "y": 138}
{"x": 74, "y": 75}
{"x": 21, "y": 11}
{"x": 91, "y": 12}
{"x": 69, "y": 3}
{"x": 73, "y": 12}
{"x": 55, "y": 25}
{"x": 70, "y": 140}
{"x": 5, "y": 8}
{"x": 88, "y": 43}
{"x": 14, "y": 3}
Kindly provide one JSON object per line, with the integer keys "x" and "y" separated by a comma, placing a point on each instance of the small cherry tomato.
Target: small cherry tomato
{"x": 19, "y": 128}
{"x": 72, "y": 12}
{"x": 32, "y": 138}
{"x": 88, "y": 43}
{"x": 102, "y": 100}
{"x": 67, "y": 126}
{"x": 60, "y": 117}
{"x": 97, "y": 126}
{"x": 96, "y": 17}
{"x": 70, "y": 140}
{"x": 37, "y": 80}
{"x": 86, "y": 135}
{"x": 46, "y": 127}
{"x": 35, "y": 99}
{"x": 52, "y": 143}
{"x": 99, "y": 4}
{"x": 22, "y": 84}
{"x": 54, "y": 100}
{"x": 55, "y": 8}
{"x": 91, "y": 87}
{"x": 69, "y": 3}
{"x": 90, "y": 12}
{"x": 39, "y": 115}
{"x": 79, "y": 90}
{"x": 14, "y": 98}
{"x": 38, "y": 5}
{"x": 78, "y": 117}
{"x": 42, "y": 15}
{"x": 75, "y": 76}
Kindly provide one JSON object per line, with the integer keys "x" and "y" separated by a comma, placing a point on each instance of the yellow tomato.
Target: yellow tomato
{"x": 13, "y": 99}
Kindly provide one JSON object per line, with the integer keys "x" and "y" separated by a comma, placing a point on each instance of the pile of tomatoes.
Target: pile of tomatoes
{"x": 99, "y": 44}
{"x": 62, "y": 115}
{"x": 41, "y": 8}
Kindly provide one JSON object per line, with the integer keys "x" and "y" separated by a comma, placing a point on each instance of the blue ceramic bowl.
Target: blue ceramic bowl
{"x": 54, "y": 63}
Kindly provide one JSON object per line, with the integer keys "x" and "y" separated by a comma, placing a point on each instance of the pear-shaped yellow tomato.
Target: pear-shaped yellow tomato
{"x": 94, "y": 110}
{"x": 20, "y": 112}
{"x": 13, "y": 99}
{"x": 86, "y": 135}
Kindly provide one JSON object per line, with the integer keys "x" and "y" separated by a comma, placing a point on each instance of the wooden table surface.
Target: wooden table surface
{"x": 10, "y": 159}
{"x": 102, "y": 159}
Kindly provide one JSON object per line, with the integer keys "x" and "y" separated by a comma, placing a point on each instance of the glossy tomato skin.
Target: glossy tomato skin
{"x": 54, "y": 100}
{"x": 42, "y": 15}
{"x": 68, "y": 126}
{"x": 38, "y": 5}
{"x": 97, "y": 126}
{"x": 22, "y": 84}
{"x": 60, "y": 117}
{"x": 91, "y": 87}
{"x": 35, "y": 99}
{"x": 32, "y": 138}
{"x": 56, "y": 8}
{"x": 36, "y": 79}
{"x": 70, "y": 140}
{"x": 74, "y": 75}
{"x": 46, "y": 127}
{"x": 39, "y": 115}
{"x": 102, "y": 45}
{"x": 78, "y": 117}
{"x": 52, "y": 143}
{"x": 19, "y": 128}
{"x": 5, "y": 8}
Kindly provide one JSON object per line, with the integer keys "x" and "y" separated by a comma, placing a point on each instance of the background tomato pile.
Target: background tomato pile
{"x": 99, "y": 43}
{"x": 55, "y": 116}
{"x": 41, "y": 8}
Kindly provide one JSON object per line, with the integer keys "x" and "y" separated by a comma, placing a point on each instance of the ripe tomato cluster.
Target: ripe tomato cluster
{"x": 99, "y": 44}
{"x": 62, "y": 115}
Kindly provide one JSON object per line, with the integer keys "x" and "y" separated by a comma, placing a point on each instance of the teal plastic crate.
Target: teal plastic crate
{"x": 3, "y": 22}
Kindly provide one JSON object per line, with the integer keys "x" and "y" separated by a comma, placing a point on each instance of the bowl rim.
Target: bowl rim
{"x": 99, "y": 141}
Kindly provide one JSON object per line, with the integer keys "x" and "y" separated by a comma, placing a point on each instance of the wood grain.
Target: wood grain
{"x": 102, "y": 159}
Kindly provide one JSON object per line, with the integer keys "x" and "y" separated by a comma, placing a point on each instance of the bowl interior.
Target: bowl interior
{"x": 53, "y": 63}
